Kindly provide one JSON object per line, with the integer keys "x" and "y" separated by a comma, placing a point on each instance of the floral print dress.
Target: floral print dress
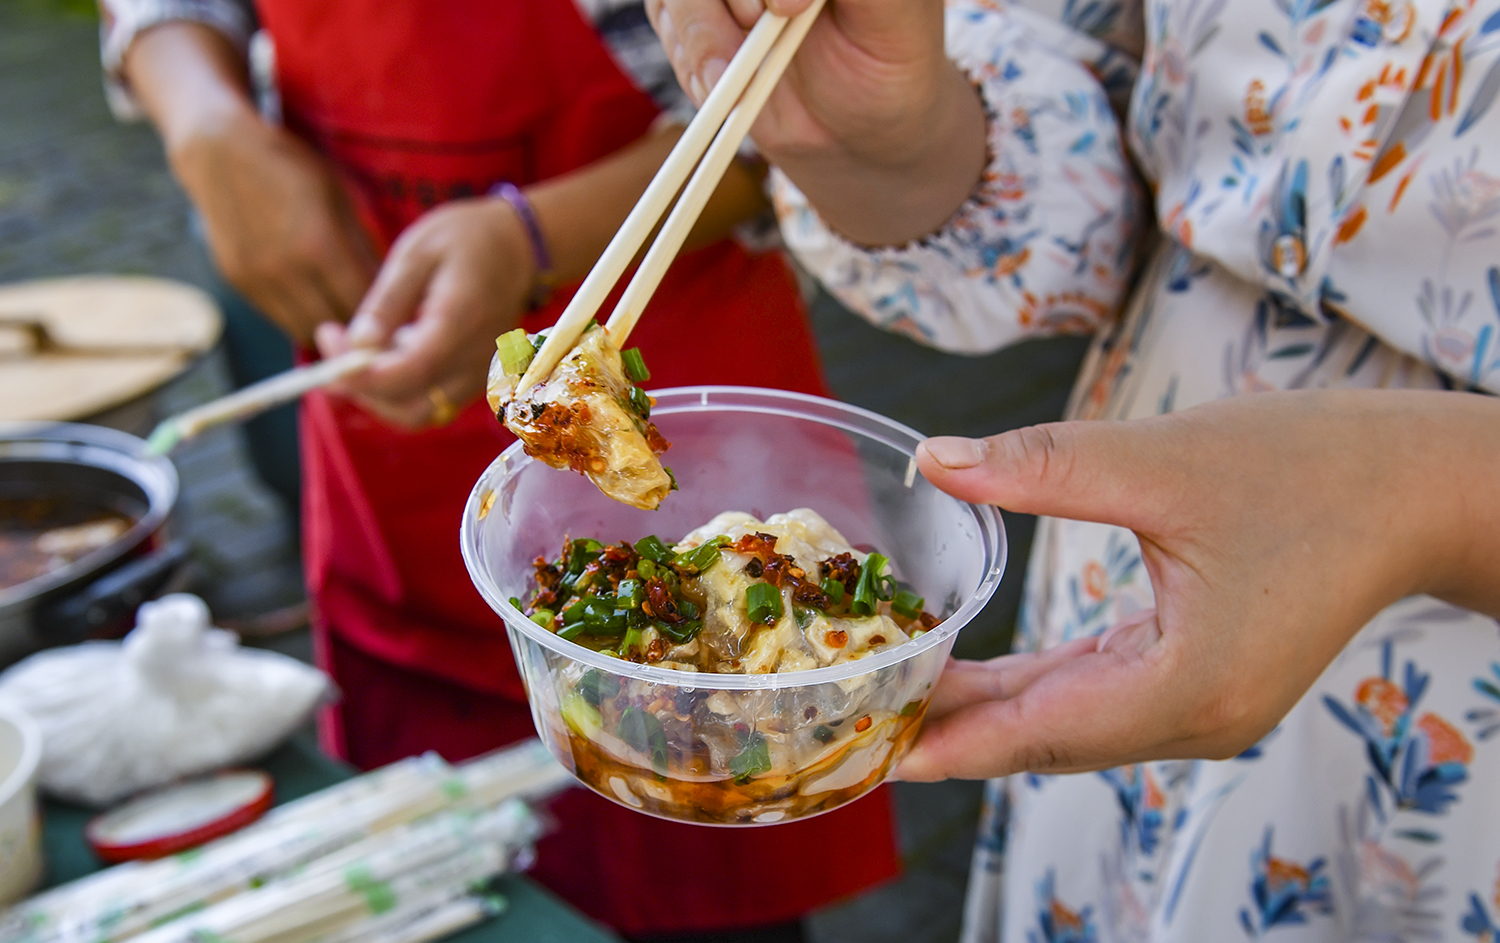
{"x": 1326, "y": 183}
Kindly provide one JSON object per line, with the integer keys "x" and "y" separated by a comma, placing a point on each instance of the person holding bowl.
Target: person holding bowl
{"x": 1268, "y": 622}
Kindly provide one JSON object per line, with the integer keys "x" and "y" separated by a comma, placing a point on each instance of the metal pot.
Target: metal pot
{"x": 94, "y": 467}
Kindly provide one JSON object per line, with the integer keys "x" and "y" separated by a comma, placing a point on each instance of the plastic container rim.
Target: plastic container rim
{"x": 689, "y": 399}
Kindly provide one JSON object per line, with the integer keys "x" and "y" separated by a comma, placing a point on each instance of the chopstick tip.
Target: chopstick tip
{"x": 163, "y": 439}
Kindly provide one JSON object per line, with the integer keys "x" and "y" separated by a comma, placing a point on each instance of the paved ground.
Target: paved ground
{"x": 79, "y": 193}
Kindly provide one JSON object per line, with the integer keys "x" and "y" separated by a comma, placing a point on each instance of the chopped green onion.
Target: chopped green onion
{"x": 672, "y": 478}
{"x": 680, "y": 632}
{"x": 543, "y": 618}
{"x": 640, "y": 402}
{"x": 601, "y": 616}
{"x": 833, "y": 589}
{"x": 584, "y": 552}
{"x": 635, "y": 365}
{"x": 643, "y": 732}
{"x": 595, "y": 686}
{"x": 908, "y": 603}
{"x": 541, "y": 339}
{"x": 755, "y": 758}
{"x": 515, "y": 352}
{"x": 910, "y": 708}
{"x": 632, "y": 640}
{"x": 688, "y": 608}
{"x": 653, "y": 549}
{"x": 629, "y": 594}
{"x": 702, "y": 556}
{"x": 804, "y": 616}
{"x": 763, "y": 602}
{"x": 581, "y": 716}
{"x": 571, "y": 631}
{"x": 516, "y": 601}
{"x": 866, "y": 589}
{"x": 646, "y": 568}
{"x": 823, "y": 733}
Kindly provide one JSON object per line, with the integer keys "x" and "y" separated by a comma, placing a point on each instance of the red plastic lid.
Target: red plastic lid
{"x": 180, "y": 816}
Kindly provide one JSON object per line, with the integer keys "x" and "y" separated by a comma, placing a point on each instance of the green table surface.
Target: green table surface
{"x": 534, "y": 914}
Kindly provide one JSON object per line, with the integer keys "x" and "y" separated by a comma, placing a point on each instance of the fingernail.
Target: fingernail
{"x": 955, "y": 452}
{"x": 713, "y": 70}
{"x": 363, "y": 332}
{"x": 664, "y": 27}
{"x": 695, "y": 90}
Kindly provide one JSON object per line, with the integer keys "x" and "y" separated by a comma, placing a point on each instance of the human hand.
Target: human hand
{"x": 453, "y": 281}
{"x": 866, "y": 77}
{"x": 279, "y": 224}
{"x": 1273, "y": 527}
{"x": 870, "y": 103}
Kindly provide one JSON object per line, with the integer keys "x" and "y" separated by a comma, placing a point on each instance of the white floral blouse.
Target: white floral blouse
{"x": 1326, "y": 179}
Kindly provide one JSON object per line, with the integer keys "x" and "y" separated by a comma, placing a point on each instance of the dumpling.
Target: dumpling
{"x": 590, "y": 417}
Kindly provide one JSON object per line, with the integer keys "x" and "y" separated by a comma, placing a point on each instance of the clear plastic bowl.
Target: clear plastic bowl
{"x": 687, "y": 746}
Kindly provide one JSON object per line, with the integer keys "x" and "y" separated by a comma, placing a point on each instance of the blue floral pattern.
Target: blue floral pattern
{"x": 1419, "y": 760}
{"x": 1055, "y": 922}
{"x": 1283, "y": 893}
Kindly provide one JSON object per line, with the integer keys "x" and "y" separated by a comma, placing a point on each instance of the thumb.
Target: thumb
{"x": 1109, "y": 472}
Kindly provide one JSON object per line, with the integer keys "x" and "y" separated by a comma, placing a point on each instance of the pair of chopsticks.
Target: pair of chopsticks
{"x": 710, "y": 143}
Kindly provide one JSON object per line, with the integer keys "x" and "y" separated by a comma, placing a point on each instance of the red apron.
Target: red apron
{"x": 418, "y": 103}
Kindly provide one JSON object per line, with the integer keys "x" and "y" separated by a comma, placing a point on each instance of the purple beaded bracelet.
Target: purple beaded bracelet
{"x": 513, "y": 195}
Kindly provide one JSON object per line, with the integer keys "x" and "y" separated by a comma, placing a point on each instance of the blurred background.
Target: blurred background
{"x": 83, "y": 194}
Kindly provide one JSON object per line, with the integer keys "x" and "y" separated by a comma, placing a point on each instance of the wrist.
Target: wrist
{"x": 894, "y": 187}
{"x": 541, "y": 280}
{"x": 194, "y": 138}
{"x": 1457, "y": 496}
{"x": 526, "y": 253}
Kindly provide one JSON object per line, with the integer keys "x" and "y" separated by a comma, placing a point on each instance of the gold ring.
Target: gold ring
{"x": 443, "y": 410}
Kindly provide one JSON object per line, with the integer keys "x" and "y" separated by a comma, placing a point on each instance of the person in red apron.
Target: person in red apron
{"x": 411, "y": 105}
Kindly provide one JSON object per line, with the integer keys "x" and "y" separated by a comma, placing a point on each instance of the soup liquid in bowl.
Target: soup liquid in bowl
{"x": 39, "y": 535}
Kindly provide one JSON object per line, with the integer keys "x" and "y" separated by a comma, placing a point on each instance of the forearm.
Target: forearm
{"x": 910, "y": 185}
{"x": 580, "y": 212}
{"x": 190, "y": 80}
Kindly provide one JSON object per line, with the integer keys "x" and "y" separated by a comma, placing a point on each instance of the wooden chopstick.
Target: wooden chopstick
{"x": 637, "y": 228}
{"x": 706, "y": 178}
{"x": 255, "y": 399}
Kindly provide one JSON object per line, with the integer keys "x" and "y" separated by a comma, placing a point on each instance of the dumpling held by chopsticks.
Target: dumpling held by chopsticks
{"x": 588, "y": 416}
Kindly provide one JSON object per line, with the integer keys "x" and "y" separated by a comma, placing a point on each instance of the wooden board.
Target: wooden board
{"x": 74, "y": 347}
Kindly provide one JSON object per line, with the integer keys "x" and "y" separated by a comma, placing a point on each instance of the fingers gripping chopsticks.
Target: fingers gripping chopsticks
{"x": 709, "y": 144}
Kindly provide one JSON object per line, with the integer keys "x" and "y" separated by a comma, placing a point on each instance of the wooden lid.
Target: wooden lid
{"x": 74, "y": 347}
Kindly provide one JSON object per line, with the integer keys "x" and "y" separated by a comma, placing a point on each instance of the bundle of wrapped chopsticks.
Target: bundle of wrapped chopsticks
{"x": 399, "y": 855}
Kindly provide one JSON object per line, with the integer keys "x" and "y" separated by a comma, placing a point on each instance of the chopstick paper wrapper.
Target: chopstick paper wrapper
{"x": 448, "y": 822}
{"x": 255, "y": 399}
